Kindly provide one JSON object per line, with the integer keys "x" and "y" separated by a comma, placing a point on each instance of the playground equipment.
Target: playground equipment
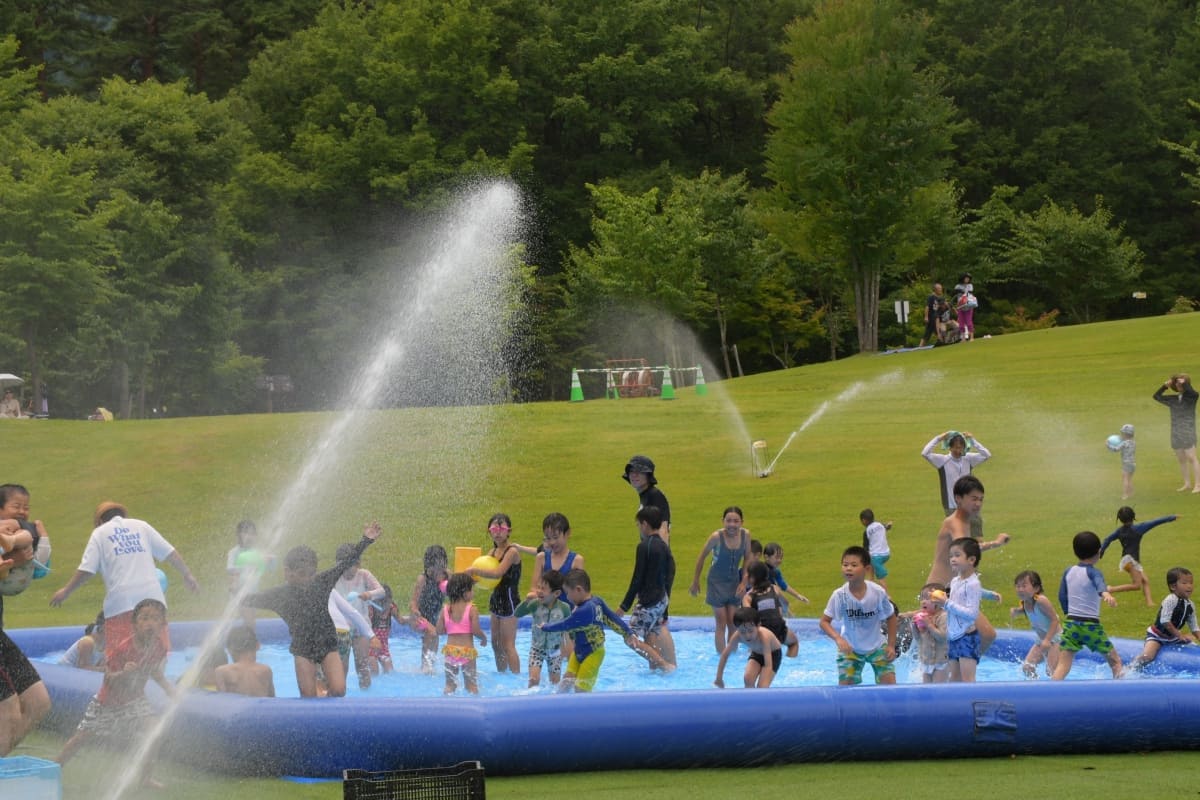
{"x": 634, "y": 377}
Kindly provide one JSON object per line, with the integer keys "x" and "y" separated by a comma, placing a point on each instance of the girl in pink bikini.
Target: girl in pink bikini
{"x": 460, "y": 622}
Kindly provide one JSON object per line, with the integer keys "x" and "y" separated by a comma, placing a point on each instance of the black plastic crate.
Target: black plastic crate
{"x": 463, "y": 781}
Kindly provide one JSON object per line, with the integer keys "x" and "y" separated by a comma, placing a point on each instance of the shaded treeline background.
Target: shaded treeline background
{"x": 196, "y": 196}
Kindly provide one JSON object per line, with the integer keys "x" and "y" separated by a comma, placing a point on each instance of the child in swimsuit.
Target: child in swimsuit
{"x": 765, "y": 652}
{"x": 586, "y": 625}
{"x": 730, "y": 548}
{"x": 1038, "y": 609}
{"x": 556, "y": 553}
{"x": 426, "y": 602}
{"x": 765, "y": 600}
{"x": 506, "y": 593}
{"x": 459, "y": 621}
{"x": 545, "y": 606}
{"x": 303, "y": 603}
{"x": 381, "y": 612}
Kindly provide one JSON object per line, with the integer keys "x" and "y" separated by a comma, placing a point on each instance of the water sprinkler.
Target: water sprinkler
{"x": 760, "y": 464}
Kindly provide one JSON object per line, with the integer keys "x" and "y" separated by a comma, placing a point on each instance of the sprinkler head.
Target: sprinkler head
{"x": 766, "y": 473}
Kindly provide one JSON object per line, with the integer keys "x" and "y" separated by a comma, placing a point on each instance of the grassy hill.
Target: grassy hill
{"x": 1043, "y": 402}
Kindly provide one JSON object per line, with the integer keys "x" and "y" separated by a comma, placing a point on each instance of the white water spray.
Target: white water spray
{"x": 458, "y": 295}
{"x": 847, "y": 394}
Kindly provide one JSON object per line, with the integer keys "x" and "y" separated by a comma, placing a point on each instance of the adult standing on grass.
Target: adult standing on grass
{"x": 124, "y": 551}
{"x": 639, "y": 473}
{"x": 931, "y": 315}
{"x": 1183, "y": 426}
{"x": 965, "y": 304}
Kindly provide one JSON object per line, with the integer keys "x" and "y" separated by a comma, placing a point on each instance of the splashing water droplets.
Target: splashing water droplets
{"x": 436, "y": 337}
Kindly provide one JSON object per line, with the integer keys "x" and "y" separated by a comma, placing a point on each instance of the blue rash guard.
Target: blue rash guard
{"x": 586, "y": 626}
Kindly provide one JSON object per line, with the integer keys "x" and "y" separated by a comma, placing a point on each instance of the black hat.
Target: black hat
{"x": 640, "y": 464}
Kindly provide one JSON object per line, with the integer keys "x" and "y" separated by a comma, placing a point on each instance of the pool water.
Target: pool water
{"x": 623, "y": 670}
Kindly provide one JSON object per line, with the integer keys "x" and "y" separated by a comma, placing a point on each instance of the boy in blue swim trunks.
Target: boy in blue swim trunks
{"x": 586, "y": 626}
{"x": 1080, "y": 592}
{"x": 962, "y": 610}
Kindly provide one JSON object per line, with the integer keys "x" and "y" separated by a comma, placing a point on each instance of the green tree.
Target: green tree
{"x": 158, "y": 159}
{"x": 53, "y": 245}
{"x": 1084, "y": 260}
{"x": 860, "y": 131}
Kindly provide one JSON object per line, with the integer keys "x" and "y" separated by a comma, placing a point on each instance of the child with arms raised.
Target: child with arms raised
{"x": 303, "y": 603}
{"x": 766, "y": 652}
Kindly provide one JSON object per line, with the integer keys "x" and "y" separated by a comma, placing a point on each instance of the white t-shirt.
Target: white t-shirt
{"x": 860, "y": 622}
{"x": 123, "y": 552}
{"x": 962, "y": 607}
{"x": 877, "y": 542}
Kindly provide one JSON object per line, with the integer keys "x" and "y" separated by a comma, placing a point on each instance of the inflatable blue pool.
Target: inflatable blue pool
{"x": 644, "y": 730}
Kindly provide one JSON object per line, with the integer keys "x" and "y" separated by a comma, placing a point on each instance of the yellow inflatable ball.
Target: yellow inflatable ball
{"x": 490, "y": 564}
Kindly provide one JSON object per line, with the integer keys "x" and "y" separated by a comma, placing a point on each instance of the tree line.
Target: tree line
{"x": 192, "y": 195}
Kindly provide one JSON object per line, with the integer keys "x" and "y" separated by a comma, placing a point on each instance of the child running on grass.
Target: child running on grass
{"x": 303, "y": 603}
{"x": 876, "y": 542}
{"x": 1130, "y": 536}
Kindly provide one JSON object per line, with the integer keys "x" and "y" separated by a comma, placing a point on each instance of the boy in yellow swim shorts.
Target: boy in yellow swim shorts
{"x": 586, "y": 625}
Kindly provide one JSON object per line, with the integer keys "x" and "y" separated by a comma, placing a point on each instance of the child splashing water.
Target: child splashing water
{"x": 1038, "y": 609}
{"x": 459, "y": 621}
{"x": 303, "y": 603}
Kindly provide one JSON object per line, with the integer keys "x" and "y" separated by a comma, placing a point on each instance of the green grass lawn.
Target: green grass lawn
{"x": 1043, "y": 402}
